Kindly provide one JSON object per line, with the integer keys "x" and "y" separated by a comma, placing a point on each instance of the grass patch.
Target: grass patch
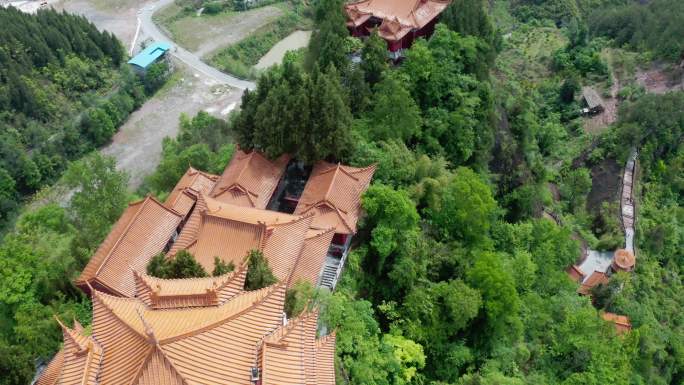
{"x": 109, "y": 5}
{"x": 240, "y": 58}
{"x": 527, "y": 53}
{"x": 189, "y": 30}
{"x": 170, "y": 84}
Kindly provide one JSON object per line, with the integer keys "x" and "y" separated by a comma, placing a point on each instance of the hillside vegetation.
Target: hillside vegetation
{"x": 63, "y": 92}
{"x": 457, "y": 274}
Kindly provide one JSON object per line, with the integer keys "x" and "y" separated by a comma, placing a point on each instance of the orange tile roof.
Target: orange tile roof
{"x": 50, "y": 375}
{"x": 398, "y": 17}
{"x": 247, "y": 214}
{"x": 333, "y": 194}
{"x": 77, "y": 362}
{"x": 191, "y": 227}
{"x": 290, "y": 355}
{"x": 622, "y": 323}
{"x": 325, "y": 359}
{"x": 227, "y": 239}
{"x": 284, "y": 244}
{"x": 193, "y": 182}
{"x": 204, "y": 330}
{"x": 312, "y": 258}
{"x": 575, "y": 273}
{"x": 170, "y": 325}
{"x": 596, "y": 278}
{"x": 623, "y": 260}
{"x": 143, "y": 231}
{"x": 217, "y": 345}
{"x": 249, "y": 179}
{"x": 158, "y": 293}
{"x": 133, "y": 344}
{"x": 230, "y": 232}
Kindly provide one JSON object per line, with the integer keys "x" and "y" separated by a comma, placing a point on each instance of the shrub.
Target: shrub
{"x": 221, "y": 267}
{"x": 183, "y": 265}
{"x": 297, "y": 297}
{"x": 259, "y": 274}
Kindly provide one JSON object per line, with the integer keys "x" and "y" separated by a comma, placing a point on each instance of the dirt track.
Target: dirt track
{"x": 137, "y": 145}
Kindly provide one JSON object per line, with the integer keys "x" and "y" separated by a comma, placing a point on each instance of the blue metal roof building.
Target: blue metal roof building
{"x": 150, "y": 54}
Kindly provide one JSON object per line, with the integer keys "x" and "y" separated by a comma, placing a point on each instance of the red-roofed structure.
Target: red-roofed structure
{"x": 575, "y": 273}
{"x": 622, "y": 323}
{"x": 398, "y": 22}
{"x": 596, "y": 278}
{"x": 148, "y": 330}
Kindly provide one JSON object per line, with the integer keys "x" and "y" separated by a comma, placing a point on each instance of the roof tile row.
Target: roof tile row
{"x": 209, "y": 330}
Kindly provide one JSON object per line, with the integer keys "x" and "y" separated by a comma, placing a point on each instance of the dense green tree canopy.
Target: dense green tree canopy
{"x": 306, "y": 115}
{"x": 487, "y": 184}
{"x": 465, "y": 210}
{"x": 63, "y": 92}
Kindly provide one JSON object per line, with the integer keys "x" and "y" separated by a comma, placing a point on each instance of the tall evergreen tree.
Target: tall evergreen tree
{"x": 327, "y": 42}
{"x": 329, "y": 132}
{"x": 374, "y": 55}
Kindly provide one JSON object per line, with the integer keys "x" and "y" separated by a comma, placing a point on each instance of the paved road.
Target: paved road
{"x": 150, "y": 29}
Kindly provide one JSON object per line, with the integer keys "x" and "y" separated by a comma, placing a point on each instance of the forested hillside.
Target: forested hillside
{"x": 489, "y": 183}
{"x": 455, "y": 277}
{"x": 654, "y": 26}
{"x": 63, "y": 92}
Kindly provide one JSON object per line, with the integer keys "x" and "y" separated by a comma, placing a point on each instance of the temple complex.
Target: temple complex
{"x": 399, "y": 23}
{"x": 244, "y": 340}
{"x": 148, "y": 330}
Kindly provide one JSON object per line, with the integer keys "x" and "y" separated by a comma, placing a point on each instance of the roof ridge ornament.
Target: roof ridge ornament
{"x": 148, "y": 328}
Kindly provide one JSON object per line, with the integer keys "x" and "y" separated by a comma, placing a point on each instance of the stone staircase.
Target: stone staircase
{"x": 329, "y": 274}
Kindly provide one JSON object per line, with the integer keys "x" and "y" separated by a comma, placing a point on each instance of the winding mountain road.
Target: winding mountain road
{"x": 150, "y": 29}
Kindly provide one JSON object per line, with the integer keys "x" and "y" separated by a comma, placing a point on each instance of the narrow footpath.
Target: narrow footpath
{"x": 627, "y": 212}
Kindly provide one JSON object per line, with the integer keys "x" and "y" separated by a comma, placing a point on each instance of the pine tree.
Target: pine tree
{"x": 330, "y": 130}
{"x": 374, "y": 55}
{"x": 327, "y": 43}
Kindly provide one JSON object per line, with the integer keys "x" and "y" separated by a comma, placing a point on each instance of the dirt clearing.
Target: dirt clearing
{"x": 118, "y": 17}
{"x": 605, "y": 184}
{"x": 138, "y": 144}
{"x": 296, "y": 40}
{"x": 206, "y": 34}
{"x": 660, "y": 79}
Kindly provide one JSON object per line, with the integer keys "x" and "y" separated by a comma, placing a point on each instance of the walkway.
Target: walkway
{"x": 151, "y": 30}
{"x": 627, "y": 213}
{"x": 601, "y": 260}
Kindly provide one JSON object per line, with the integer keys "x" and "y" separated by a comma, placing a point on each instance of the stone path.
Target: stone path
{"x": 627, "y": 213}
{"x": 601, "y": 260}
